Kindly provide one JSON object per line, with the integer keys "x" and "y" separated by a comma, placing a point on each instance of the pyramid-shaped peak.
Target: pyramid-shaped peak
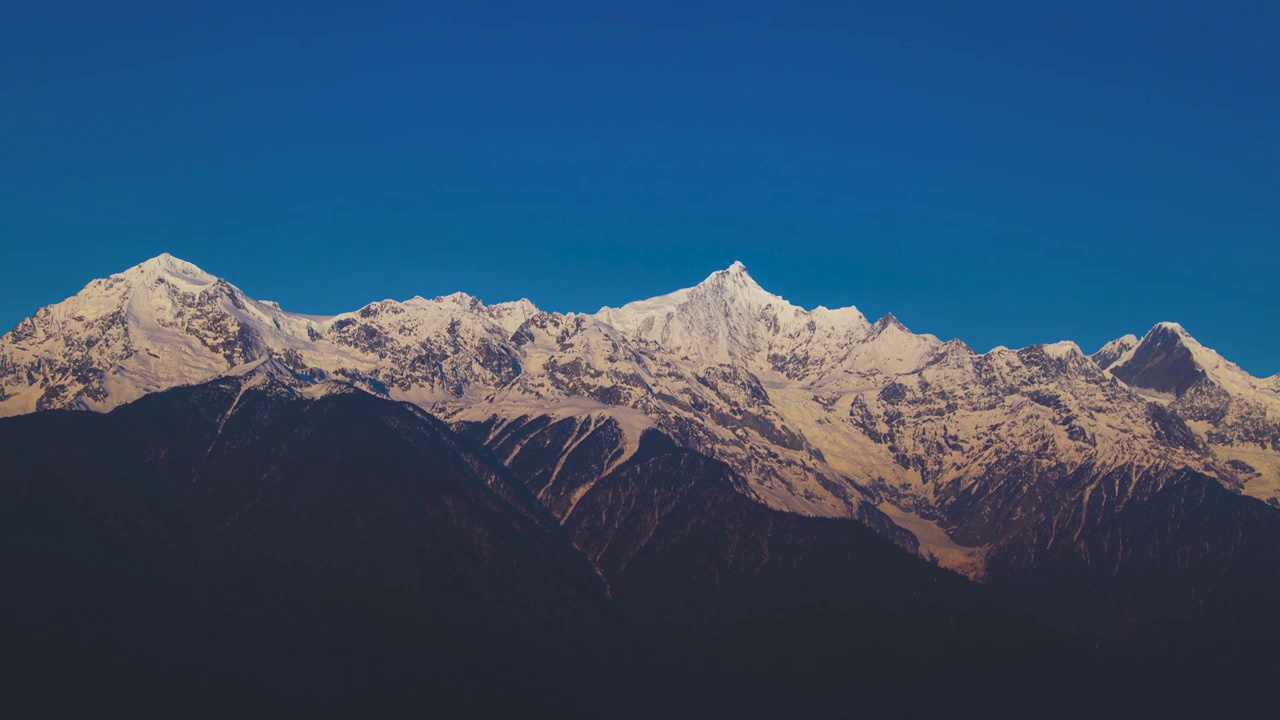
{"x": 1167, "y": 360}
{"x": 735, "y": 282}
{"x": 1169, "y": 333}
{"x": 887, "y": 322}
{"x": 737, "y": 272}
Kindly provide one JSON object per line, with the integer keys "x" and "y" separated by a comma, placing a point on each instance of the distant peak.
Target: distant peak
{"x": 459, "y": 298}
{"x": 1167, "y": 360}
{"x": 734, "y": 276}
{"x": 888, "y": 321}
{"x": 736, "y": 271}
{"x": 1062, "y": 349}
{"x": 523, "y": 306}
{"x": 1165, "y": 332}
{"x": 166, "y": 260}
{"x": 165, "y": 264}
{"x": 957, "y": 346}
{"x": 887, "y": 324}
{"x": 1172, "y": 327}
{"x": 1119, "y": 346}
{"x": 1112, "y": 352}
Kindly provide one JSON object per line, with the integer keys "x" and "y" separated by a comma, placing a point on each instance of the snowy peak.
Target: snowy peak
{"x": 165, "y": 269}
{"x": 729, "y": 317}
{"x": 1062, "y": 349}
{"x": 161, "y": 323}
{"x": 460, "y": 300}
{"x": 166, "y": 264}
{"x": 885, "y": 348}
{"x": 511, "y": 315}
{"x": 160, "y": 278}
{"x": 888, "y": 323}
{"x": 1108, "y": 354}
{"x": 722, "y": 318}
{"x": 1163, "y": 361}
{"x": 1169, "y": 360}
{"x": 1170, "y": 327}
{"x": 733, "y": 277}
{"x": 735, "y": 293}
{"x": 735, "y": 286}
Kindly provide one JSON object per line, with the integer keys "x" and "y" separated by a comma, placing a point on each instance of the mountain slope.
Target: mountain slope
{"x": 804, "y": 614}
{"x": 256, "y": 541}
{"x": 239, "y": 542}
{"x": 707, "y": 450}
{"x": 817, "y": 411}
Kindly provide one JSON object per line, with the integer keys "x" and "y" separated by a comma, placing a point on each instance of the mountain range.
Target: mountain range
{"x": 700, "y": 459}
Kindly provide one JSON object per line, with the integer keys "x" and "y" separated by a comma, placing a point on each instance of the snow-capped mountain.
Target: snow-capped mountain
{"x": 166, "y": 323}
{"x": 1235, "y": 415}
{"x": 947, "y": 451}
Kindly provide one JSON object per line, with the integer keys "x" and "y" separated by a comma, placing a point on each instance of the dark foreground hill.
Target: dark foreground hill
{"x": 248, "y": 546}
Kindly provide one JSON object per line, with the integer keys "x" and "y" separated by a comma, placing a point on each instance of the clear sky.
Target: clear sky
{"x": 1003, "y": 172}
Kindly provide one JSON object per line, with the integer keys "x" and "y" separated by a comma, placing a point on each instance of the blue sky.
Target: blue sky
{"x": 1002, "y": 172}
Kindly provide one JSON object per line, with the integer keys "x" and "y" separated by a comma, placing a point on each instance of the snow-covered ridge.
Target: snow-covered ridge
{"x": 729, "y": 319}
{"x": 820, "y": 411}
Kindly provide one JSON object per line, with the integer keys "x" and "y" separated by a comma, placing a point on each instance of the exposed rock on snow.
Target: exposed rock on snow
{"x": 817, "y": 411}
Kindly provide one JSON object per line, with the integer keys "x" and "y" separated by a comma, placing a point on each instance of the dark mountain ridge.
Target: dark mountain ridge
{"x": 237, "y": 544}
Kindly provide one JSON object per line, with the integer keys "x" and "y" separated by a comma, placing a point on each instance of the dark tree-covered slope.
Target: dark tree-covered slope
{"x": 233, "y": 543}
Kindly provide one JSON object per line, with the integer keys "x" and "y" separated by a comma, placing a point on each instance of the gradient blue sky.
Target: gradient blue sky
{"x": 1002, "y": 172}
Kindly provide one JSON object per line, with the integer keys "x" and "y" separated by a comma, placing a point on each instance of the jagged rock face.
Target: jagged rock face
{"x": 1161, "y": 363}
{"x": 817, "y": 412}
{"x": 422, "y": 346}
